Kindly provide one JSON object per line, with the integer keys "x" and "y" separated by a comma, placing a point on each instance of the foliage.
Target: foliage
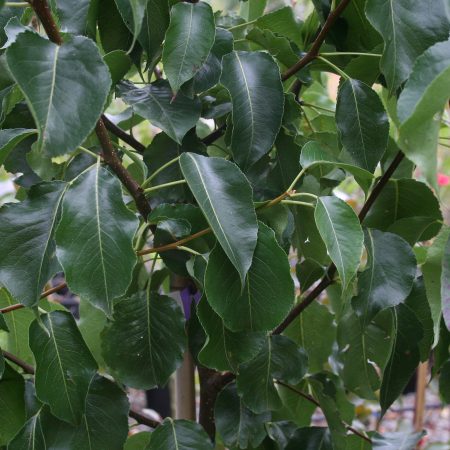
{"x": 244, "y": 175}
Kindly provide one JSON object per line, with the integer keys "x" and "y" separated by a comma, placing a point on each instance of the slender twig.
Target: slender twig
{"x": 18, "y": 362}
{"x": 314, "y": 51}
{"x": 328, "y": 278}
{"x": 158, "y": 171}
{"x": 375, "y": 55}
{"x": 240, "y": 25}
{"x": 163, "y": 186}
{"x": 121, "y": 134}
{"x": 174, "y": 245}
{"x": 297, "y": 203}
{"x": 311, "y": 399}
{"x": 333, "y": 66}
{"x": 144, "y": 420}
{"x": 16, "y": 5}
{"x": 43, "y": 295}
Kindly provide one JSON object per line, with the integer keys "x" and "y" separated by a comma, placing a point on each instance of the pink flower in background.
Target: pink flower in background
{"x": 443, "y": 180}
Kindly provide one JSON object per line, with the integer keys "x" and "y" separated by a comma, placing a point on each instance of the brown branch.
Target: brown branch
{"x": 46, "y": 293}
{"x": 121, "y": 134}
{"x": 314, "y": 50}
{"x": 144, "y": 420}
{"x": 216, "y": 134}
{"x": 44, "y": 14}
{"x": 18, "y": 362}
{"x": 328, "y": 278}
{"x": 311, "y": 399}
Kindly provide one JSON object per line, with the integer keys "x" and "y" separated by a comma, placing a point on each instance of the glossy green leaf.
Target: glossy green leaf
{"x": 432, "y": 276}
{"x": 314, "y": 330}
{"x": 12, "y": 404}
{"x": 188, "y": 41}
{"x": 72, "y": 16}
{"x": 140, "y": 359}
{"x": 311, "y": 438}
{"x": 444, "y": 382}
{"x": 45, "y": 73}
{"x": 225, "y": 197}
{"x": 27, "y": 242}
{"x": 279, "y": 358}
{"x": 362, "y": 123}
{"x": 180, "y": 435}
{"x": 138, "y": 441}
{"x": 315, "y": 154}
{"x": 384, "y": 282}
{"x": 254, "y": 83}
{"x": 340, "y": 230}
{"x": 405, "y": 199}
{"x": 64, "y": 365}
{"x": 118, "y": 63}
{"x": 405, "y": 355}
{"x": 94, "y": 238}
{"x": 135, "y": 8}
{"x": 445, "y": 284}
{"x": 420, "y": 106}
{"x": 10, "y": 138}
{"x": 268, "y": 293}
{"x": 225, "y": 349}
{"x": 396, "y": 441}
{"x": 155, "y": 103}
{"x": 18, "y": 322}
{"x": 237, "y": 425}
{"x": 408, "y": 29}
{"x": 359, "y": 347}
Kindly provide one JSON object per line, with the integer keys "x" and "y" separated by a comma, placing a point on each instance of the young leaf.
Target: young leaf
{"x": 225, "y": 197}
{"x": 340, "y": 230}
{"x": 268, "y": 293}
{"x": 27, "y": 242}
{"x": 237, "y": 425}
{"x": 64, "y": 365}
{"x": 384, "y": 283}
{"x": 147, "y": 357}
{"x": 49, "y": 75}
{"x": 254, "y": 83}
{"x": 189, "y": 39}
{"x": 180, "y": 435}
{"x": 420, "y": 105}
{"x": 407, "y": 32}
{"x": 94, "y": 238}
{"x": 405, "y": 355}
{"x": 225, "y": 349}
{"x": 156, "y": 104}
{"x": 362, "y": 123}
{"x": 12, "y": 412}
{"x": 279, "y": 358}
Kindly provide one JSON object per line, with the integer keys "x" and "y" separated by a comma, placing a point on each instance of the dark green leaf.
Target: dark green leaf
{"x": 46, "y": 73}
{"x": 10, "y": 138}
{"x": 405, "y": 199}
{"x": 118, "y": 63}
{"x": 314, "y": 330}
{"x": 225, "y": 197}
{"x": 253, "y": 80}
{"x": 27, "y": 242}
{"x": 2, "y": 364}
{"x": 64, "y": 365}
{"x": 384, "y": 282}
{"x": 138, "y": 441}
{"x": 420, "y": 105}
{"x": 188, "y": 41}
{"x": 94, "y": 238}
{"x": 445, "y": 284}
{"x": 268, "y": 294}
{"x": 134, "y": 10}
{"x": 408, "y": 29}
{"x": 396, "y": 441}
{"x": 444, "y": 382}
{"x": 359, "y": 347}
{"x": 147, "y": 357}
{"x": 313, "y": 438}
{"x": 3, "y": 325}
{"x": 114, "y": 34}
{"x": 340, "y": 230}
{"x": 362, "y": 123}
{"x": 12, "y": 410}
{"x": 225, "y": 349}
{"x": 238, "y": 426}
{"x": 155, "y": 102}
{"x": 279, "y": 358}
{"x": 405, "y": 355}
{"x": 180, "y": 435}
{"x": 72, "y": 16}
